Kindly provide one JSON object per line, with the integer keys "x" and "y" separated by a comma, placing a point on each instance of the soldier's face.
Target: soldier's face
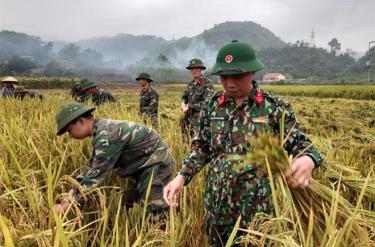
{"x": 196, "y": 72}
{"x": 9, "y": 84}
{"x": 237, "y": 86}
{"x": 78, "y": 129}
{"x": 143, "y": 83}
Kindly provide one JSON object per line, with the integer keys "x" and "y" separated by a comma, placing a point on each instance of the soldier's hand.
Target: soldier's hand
{"x": 300, "y": 172}
{"x": 172, "y": 190}
{"x": 65, "y": 203}
{"x": 184, "y": 107}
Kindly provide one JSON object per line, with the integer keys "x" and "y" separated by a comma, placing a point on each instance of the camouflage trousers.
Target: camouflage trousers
{"x": 188, "y": 122}
{"x": 245, "y": 199}
{"x": 138, "y": 183}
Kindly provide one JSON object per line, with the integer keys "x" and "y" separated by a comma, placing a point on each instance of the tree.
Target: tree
{"x": 335, "y": 46}
{"x": 69, "y": 52}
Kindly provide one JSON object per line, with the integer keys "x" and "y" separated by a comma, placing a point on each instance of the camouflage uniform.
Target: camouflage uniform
{"x": 131, "y": 150}
{"x": 32, "y": 95}
{"x": 194, "y": 96}
{"x": 222, "y": 131}
{"x": 102, "y": 97}
{"x": 8, "y": 91}
{"x": 148, "y": 105}
{"x": 78, "y": 94}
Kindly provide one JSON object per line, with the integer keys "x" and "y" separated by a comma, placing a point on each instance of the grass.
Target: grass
{"x": 36, "y": 167}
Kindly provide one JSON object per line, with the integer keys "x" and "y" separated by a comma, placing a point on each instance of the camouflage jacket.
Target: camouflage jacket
{"x": 149, "y": 102}
{"x": 222, "y": 131}
{"x": 8, "y": 92}
{"x": 195, "y": 95}
{"x": 124, "y": 147}
{"x": 77, "y": 93}
{"x": 33, "y": 95}
{"x": 102, "y": 97}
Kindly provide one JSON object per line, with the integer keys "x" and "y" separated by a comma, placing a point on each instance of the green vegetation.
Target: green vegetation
{"x": 35, "y": 167}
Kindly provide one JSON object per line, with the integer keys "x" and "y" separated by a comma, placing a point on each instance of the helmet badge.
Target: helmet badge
{"x": 228, "y": 58}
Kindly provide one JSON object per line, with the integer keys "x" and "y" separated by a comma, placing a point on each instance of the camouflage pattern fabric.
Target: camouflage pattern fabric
{"x": 30, "y": 94}
{"x": 233, "y": 190}
{"x": 194, "y": 96}
{"x": 130, "y": 150}
{"x": 78, "y": 94}
{"x": 102, "y": 97}
{"x": 8, "y": 91}
{"x": 148, "y": 105}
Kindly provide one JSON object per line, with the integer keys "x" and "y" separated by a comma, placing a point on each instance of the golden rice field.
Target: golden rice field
{"x": 36, "y": 166}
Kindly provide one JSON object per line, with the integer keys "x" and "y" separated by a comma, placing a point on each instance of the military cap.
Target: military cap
{"x": 236, "y": 58}
{"x": 144, "y": 76}
{"x": 88, "y": 84}
{"x": 196, "y": 63}
{"x": 68, "y": 113}
{"x": 20, "y": 89}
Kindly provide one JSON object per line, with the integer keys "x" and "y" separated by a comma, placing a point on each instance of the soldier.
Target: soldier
{"x": 225, "y": 122}
{"x": 77, "y": 92}
{"x": 148, "y": 99}
{"x": 129, "y": 149}
{"x": 20, "y": 92}
{"x": 8, "y": 88}
{"x": 197, "y": 91}
{"x": 98, "y": 97}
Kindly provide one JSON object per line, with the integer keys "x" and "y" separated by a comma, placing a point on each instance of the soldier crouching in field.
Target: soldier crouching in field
{"x": 197, "y": 91}
{"x": 130, "y": 149}
{"x": 77, "y": 92}
{"x": 225, "y": 122}
{"x": 21, "y": 92}
{"x": 98, "y": 96}
{"x": 148, "y": 99}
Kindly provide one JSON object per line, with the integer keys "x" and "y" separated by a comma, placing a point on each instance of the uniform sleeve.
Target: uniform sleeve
{"x": 185, "y": 95}
{"x": 207, "y": 93}
{"x": 199, "y": 155}
{"x": 104, "y": 156}
{"x": 154, "y": 103}
{"x": 297, "y": 142}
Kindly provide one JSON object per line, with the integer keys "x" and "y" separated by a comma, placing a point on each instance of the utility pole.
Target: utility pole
{"x": 370, "y": 61}
{"x": 312, "y": 38}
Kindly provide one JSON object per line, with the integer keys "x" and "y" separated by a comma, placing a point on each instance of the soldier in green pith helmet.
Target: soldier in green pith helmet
{"x": 148, "y": 99}
{"x": 197, "y": 91}
{"x": 225, "y": 122}
{"x": 127, "y": 148}
{"x": 77, "y": 92}
{"x": 98, "y": 96}
{"x": 21, "y": 92}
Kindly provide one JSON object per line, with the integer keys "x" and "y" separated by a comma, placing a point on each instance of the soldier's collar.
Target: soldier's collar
{"x": 255, "y": 94}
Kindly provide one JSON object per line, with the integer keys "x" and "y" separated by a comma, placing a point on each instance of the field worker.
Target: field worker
{"x": 225, "y": 122}
{"x": 127, "y": 148}
{"x": 197, "y": 91}
{"x": 98, "y": 96}
{"x": 21, "y": 92}
{"x": 148, "y": 99}
{"x": 8, "y": 86}
{"x": 77, "y": 92}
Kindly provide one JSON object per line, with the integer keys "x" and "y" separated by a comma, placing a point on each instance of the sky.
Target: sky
{"x": 352, "y": 22}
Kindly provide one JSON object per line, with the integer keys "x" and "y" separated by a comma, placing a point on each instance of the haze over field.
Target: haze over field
{"x": 351, "y": 21}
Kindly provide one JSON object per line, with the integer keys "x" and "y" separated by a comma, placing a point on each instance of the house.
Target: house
{"x": 270, "y": 77}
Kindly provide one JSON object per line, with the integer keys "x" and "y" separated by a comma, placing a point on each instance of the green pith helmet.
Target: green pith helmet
{"x": 70, "y": 112}
{"x": 236, "y": 58}
{"x": 20, "y": 89}
{"x": 144, "y": 76}
{"x": 196, "y": 63}
{"x": 9, "y": 79}
{"x": 88, "y": 84}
